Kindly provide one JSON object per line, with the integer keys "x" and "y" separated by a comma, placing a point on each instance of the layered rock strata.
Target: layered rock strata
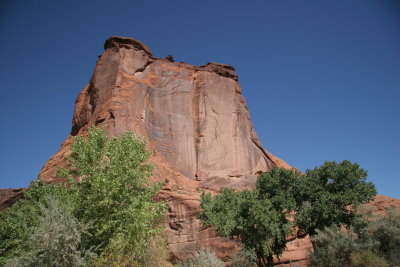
{"x": 197, "y": 122}
{"x": 194, "y": 118}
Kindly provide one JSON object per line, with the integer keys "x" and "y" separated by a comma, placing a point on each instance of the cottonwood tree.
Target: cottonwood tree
{"x": 328, "y": 195}
{"x": 114, "y": 194}
{"x": 320, "y": 198}
{"x": 259, "y": 218}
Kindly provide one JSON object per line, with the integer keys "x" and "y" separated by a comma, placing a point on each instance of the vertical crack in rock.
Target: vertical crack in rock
{"x": 196, "y": 122}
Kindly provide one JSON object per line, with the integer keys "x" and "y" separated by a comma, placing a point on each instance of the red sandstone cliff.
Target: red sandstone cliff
{"x": 197, "y": 122}
{"x": 195, "y": 119}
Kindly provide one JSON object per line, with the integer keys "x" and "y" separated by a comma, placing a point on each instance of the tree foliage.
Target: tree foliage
{"x": 113, "y": 196}
{"x": 386, "y": 232}
{"x": 333, "y": 247}
{"x": 320, "y": 198}
{"x": 244, "y": 258}
{"x": 372, "y": 240}
{"x": 114, "y": 193}
{"x": 324, "y": 195}
{"x": 258, "y": 218}
{"x": 56, "y": 240}
{"x": 203, "y": 259}
{"x": 18, "y": 222}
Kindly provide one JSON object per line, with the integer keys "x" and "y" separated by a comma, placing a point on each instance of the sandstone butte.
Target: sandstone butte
{"x": 196, "y": 121}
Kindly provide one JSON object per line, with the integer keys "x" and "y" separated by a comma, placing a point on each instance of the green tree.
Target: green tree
{"x": 259, "y": 218}
{"x": 114, "y": 194}
{"x": 328, "y": 195}
{"x": 321, "y": 198}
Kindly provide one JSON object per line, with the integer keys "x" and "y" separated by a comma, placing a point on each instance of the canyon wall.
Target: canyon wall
{"x": 194, "y": 118}
{"x": 196, "y": 121}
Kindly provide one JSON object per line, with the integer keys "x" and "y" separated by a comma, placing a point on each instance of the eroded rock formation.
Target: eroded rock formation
{"x": 195, "y": 119}
{"x": 197, "y": 122}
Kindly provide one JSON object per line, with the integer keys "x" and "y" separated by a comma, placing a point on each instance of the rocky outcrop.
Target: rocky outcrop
{"x": 9, "y": 196}
{"x": 381, "y": 204}
{"x": 194, "y": 118}
{"x": 196, "y": 121}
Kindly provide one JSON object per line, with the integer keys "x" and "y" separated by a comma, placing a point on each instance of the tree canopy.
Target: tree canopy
{"x": 328, "y": 195}
{"x": 111, "y": 210}
{"x": 260, "y": 218}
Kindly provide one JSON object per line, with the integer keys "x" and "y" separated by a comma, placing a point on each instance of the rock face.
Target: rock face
{"x": 381, "y": 204}
{"x": 9, "y": 196}
{"x": 195, "y": 119}
{"x": 197, "y": 122}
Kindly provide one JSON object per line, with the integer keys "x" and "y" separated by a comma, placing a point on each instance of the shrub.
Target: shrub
{"x": 386, "y": 231}
{"x": 244, "y": 258}
{"x": 158, "y": 253}
{"x": 333, "y": 248}
{"x": 367, "y": 258}
{"x": 370, "y": 242}
{"x": 56, "y": 240}
{"x": 18, "y": 222}
{"x": 204, "y": 259}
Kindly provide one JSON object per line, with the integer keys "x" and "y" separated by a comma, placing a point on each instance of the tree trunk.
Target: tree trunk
{"x": 261, "y": 262}
{"x": 270, "y": 261}
{"x": 265, "y": 262}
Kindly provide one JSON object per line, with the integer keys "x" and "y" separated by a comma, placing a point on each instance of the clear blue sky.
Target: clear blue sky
{"x": 321, "y": 78}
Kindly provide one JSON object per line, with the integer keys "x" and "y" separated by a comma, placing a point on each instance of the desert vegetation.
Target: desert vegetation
{"x": 109, "y": 218}
{"x": 282, "y": 199}
{"x": 104, "y": 214}
{"x": 372, "y": 240}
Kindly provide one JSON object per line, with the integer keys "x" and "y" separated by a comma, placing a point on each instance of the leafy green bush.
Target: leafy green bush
{"x": 371, "y": 241}
{"x": 56, "y": 240}
{"x": 367, "y": 258}
{"x": 122, "y": 254}
{"x": 158, "y": 253}
{"x": 333, "y": 248}
{"x": 386, "y": 231}
{"x": 204, "y": 259}
{"x": 244, "y": 258}
{"x": 18, "y": 222}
